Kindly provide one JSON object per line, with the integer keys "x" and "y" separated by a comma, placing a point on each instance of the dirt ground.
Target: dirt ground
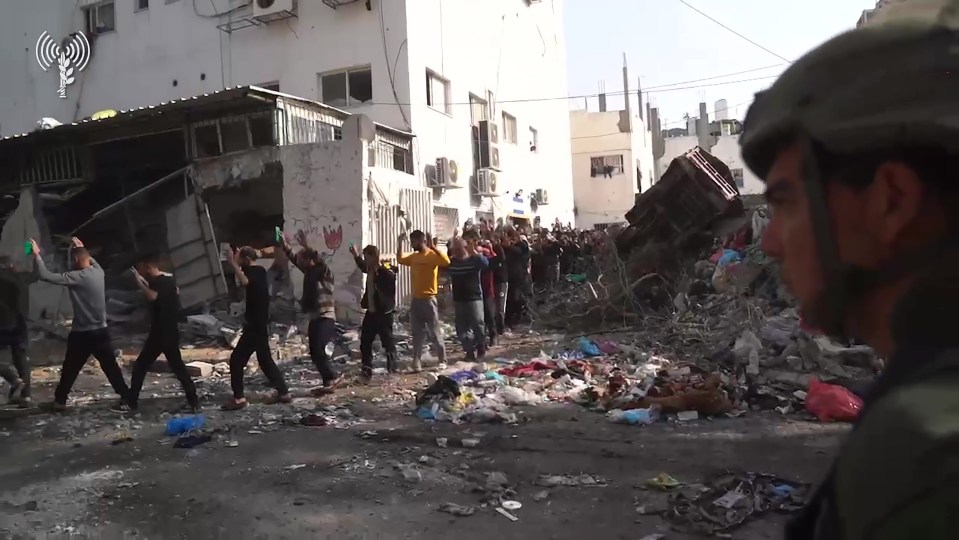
{"x": 379, "y": 472}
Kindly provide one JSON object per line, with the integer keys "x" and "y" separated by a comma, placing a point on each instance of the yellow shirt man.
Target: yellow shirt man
{"x": 424, "y": 270}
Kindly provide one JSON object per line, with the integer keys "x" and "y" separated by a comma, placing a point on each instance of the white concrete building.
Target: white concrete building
{"x": 436, "y": 68}
{"x": 720, "y": 138}
{"x": 612, "y": 163}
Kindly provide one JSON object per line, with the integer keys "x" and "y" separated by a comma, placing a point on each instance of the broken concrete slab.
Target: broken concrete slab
{"x": 200, "y": 369}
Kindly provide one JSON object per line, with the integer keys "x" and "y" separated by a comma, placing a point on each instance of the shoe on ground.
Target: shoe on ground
{"x": 53, "y": 406}
{"x": 277, "y": 399}
{"x": 189, "y": 408}
{"x": 441, "y": 366}
{"x": 16, "y": 392}
{"x": 234, "y": 405}
{"x": 122, "y": 407}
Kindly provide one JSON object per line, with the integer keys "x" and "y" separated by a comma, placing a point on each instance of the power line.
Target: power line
{"x": 753, "y": 70}
{"x": 690, "y": 6}
{"x": 582, "y": 96}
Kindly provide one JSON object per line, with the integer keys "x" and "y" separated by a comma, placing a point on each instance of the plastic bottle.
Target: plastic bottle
{"x": 184, "y": 424}
{"x": 635, "y": 417}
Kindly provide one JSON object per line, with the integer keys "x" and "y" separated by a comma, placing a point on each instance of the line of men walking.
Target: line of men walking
{"x": 480, "y": 273}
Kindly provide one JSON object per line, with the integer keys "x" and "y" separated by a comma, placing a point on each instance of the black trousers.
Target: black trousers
{"x": 517, "y": 296}
{"x": 377, "y": 325}
{"x": 16, "y": 339}
{"x": 321, "y": 332}
{"x": 254, "y": 340}
{"x": 80, "y": 346}
{"x": 489, "y": 316}
{"x": 166, "y": 343}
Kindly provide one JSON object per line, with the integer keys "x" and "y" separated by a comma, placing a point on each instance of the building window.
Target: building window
{"x": 509, "y": 128}
{"x": 533, "y": 140}
{"x": 348, "y": 88}
{"x": 606, "y": 166}
{"x": 100, "y": 18}
{"x": 438, "y": 93}
{"x": 738, "y": 178}
{"x": 141, "y": 5}
{"x": 479, "y": 110}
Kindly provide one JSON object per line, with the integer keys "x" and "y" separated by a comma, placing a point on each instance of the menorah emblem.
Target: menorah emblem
{"x": 71, "y": 57}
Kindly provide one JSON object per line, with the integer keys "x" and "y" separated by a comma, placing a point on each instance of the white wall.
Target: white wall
{"x": 518, "y": 53}
{"x": 503, "y": 46}
{"x": 322, "y": 194}
{"x": 726, "y": 149}
{"x": 592, "y": 134}
{"x": 138, "y": 63}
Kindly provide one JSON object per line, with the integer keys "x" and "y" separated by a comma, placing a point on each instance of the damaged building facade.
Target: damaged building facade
{"x": 185, "y": 179}
{"x": 612, "y": 155}
{"x": 462, "y": 76}
{"x": 719, "y": 137}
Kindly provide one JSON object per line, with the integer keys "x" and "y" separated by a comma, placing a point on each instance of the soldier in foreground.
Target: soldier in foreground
{"x": 858, "y": 144}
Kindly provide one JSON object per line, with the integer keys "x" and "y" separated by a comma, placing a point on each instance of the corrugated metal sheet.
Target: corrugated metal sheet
{"x": 304, "y": 123}
{"x": 195, "y": 102}
{"x": 385, "y": 228}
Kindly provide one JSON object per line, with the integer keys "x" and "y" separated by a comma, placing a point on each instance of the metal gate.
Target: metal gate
{"x": 385, "y": 228}
{"x": 193, "y": 252}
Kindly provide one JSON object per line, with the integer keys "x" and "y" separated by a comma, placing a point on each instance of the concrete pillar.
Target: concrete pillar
{"x": 702, "y": 127}
{"x": 602, "y": 103}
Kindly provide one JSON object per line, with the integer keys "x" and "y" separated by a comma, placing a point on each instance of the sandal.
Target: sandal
{"x": 234, "y": 405}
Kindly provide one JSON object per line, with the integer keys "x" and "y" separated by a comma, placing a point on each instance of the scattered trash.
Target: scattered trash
{"x": 294, "y": 467}
{"x": 470, "y": 443}
{"x": 634, "y": 416}
{"x": 663, "y": 481}
{"x": 541, "y": 495}
{"x": 829, "y": 402}
{"x": 184, "y": 424}
{"x": 441, "y": 442}
{"x": 686, "y": 416}
{"x": 512, "y": 505}
{"x": 507, "y": 515}
{"x": 729, "y": 500}
{"x": 583, "y": 480}
{"x": 457, "y": 509}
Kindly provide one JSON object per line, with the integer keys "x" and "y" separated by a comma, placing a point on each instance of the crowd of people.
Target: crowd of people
{"x": 493, "y": 272}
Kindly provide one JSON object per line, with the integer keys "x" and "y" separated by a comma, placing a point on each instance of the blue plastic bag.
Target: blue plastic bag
{"x": 589, "y": 348}
{"x": 184, "y": 424}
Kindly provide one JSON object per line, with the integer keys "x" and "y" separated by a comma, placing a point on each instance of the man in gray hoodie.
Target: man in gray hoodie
{"x": 89, "y": 334}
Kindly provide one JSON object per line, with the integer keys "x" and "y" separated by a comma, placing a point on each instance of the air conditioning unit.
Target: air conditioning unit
{"x": 267, "y": 8}
{"x": 487, "y": 182}
{"x": 541, "y": 196}
{"x": 489, "y": 131}
{"x": 447, "y": 173}
{"x": 489, "y": 145}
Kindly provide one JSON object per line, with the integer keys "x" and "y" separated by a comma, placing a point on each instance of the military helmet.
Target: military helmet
{"x": 887, "y": 85}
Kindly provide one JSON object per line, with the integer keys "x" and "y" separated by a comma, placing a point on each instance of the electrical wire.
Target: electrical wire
{"x": 713, "y": 78}
{"x": 389, "y": 72}
{"x": 694, "y": 8}
{"x": 582, "y": 96}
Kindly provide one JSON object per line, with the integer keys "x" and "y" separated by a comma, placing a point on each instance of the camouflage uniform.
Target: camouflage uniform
{"x": 885, "y": 86}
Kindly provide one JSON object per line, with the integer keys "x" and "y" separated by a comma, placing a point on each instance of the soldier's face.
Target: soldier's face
{"x": 871, "y": 225}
